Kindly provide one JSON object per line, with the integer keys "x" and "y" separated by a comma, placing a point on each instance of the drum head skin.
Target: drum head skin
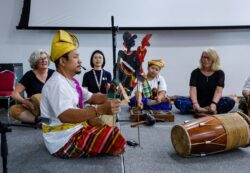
{"x": 181, "y": 140}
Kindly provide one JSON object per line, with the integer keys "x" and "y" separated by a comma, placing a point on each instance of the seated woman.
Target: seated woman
{"x": 32, "y": 82}
{"x": 97, "y": 80}
{"x": 206, "y": 86}
{"x": 245, "y": 101}
{"x": 152, "y": 93}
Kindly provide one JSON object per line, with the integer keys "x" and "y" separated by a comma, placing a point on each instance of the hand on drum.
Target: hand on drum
{"x": 196, "y": 107}
{"x": 140, "y": 105}
{"x": 161, "y": 98}
{"x": 212, "y": 109}
{"x": 28, "y": 104}
{"x": 167, "y": 99}
{"x": 199, "y": 109}
{"x": 207, "y": 110}
{"x": 111, "y": 107}
{"x": 158, "y": 99}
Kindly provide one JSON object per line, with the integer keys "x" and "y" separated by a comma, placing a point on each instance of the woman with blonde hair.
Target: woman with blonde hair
{"x": 32, "y": 83}
{"x": 206, "y": 86}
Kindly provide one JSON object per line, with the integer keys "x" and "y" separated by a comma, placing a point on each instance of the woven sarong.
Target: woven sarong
{"x": 90, "y": 141}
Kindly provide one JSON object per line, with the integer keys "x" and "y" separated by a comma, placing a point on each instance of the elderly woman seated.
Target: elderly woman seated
{"x": 32, "y": 83}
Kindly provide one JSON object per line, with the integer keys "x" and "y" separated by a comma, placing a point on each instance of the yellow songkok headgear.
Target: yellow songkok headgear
{"x": 63, "y": 42}
{"x": 158, "y": 62}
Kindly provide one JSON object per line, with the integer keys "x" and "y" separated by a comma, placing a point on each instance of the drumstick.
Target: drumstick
{"x": 138, "y": 131}
{"x": 138, "y": 123}
{"x": 125, "y": 95}
{"x": 158, "y": 87}
{"x": 107, "y": 89}
{"x": 138, "y": 118}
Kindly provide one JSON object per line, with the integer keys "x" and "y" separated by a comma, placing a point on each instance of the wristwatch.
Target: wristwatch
{"x": 213, "y": 102}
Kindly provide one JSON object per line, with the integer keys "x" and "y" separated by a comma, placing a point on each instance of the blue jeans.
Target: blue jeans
{"x": 159, "y": 106}
{"x": 185, "y": 105}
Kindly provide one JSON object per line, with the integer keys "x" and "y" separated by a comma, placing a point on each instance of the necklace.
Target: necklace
{"x": 100, "y": 81}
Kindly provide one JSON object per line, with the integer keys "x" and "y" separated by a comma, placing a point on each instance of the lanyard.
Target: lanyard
{"x": 100, "y": 81}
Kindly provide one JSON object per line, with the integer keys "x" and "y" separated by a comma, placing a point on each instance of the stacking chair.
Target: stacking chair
{"x": 7, "y": 85}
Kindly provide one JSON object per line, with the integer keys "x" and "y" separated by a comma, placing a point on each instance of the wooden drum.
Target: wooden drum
{"x": 211, "y": 134}
{"x": 109, "y": 120}
{"x": 35, "y": 99}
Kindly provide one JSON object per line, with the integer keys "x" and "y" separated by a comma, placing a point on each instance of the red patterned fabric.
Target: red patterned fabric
{"x": 90, "y": 141}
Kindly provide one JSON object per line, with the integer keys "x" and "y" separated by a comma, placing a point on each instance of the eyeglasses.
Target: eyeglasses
{"x": 205, "y": 57}
{"x": 43, "y": 59}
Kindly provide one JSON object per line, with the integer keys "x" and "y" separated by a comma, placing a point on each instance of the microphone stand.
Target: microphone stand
{"x": 4, "y": 147}
{"x": 114, "y": 31}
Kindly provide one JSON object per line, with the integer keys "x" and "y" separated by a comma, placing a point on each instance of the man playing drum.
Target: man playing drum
{"x": 68, "y": 135}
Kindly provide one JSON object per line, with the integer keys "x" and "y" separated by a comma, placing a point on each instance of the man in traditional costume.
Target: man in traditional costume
{"x": 152, "y": 92}
{"x": 69, "y": 133}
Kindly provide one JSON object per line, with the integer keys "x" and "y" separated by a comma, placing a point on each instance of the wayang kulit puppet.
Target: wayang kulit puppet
{"x": 129, "y": 63}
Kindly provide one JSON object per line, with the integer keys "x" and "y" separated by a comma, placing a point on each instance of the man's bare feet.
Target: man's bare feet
{"x": 118, "y": 152}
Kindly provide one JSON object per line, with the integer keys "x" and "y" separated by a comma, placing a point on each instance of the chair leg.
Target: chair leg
{"x": 8, "y": 110}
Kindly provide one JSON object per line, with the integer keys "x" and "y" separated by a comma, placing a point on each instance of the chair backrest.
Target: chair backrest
{"x": 7, "y": 80}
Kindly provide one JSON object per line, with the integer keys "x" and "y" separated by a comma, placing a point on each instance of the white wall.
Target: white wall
{"x": 132, "y": 13}
{"x": 180, "y": 49}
